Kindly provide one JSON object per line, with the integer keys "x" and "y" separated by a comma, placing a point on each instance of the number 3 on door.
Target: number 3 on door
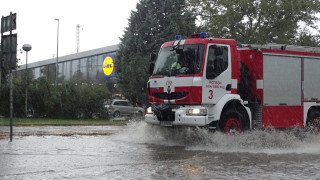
{"x": 210, "y": 94}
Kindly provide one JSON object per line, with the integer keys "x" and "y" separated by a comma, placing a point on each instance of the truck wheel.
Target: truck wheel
{"x": 116, "y": 114}
{"x": 314, "y": 122}
{"x": 231, "y": 122}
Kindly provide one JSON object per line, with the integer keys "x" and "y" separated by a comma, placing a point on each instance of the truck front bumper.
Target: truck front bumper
{"x": 181, "y": 119}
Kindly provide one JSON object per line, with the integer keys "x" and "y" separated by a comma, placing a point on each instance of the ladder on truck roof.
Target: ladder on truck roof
{"x": 284, "y": 47}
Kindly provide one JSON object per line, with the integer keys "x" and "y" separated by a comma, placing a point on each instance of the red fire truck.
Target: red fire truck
{"x": 219, "y": 84}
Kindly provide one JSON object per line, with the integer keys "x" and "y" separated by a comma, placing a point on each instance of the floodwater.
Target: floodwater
{"x": 140, "y": 151}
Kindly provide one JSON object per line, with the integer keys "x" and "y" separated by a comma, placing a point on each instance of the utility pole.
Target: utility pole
{"x": 27, "y": 48}
{"x": 9, "y": 54}
{"x": 56, "y": 80}
{"x": 1, "y": 54}
{"x": 78, "y": 38}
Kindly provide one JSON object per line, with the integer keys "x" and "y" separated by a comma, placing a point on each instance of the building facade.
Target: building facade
{"x": 94, "y": 66}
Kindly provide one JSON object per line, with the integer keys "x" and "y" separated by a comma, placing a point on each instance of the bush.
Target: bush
{"x": 68, "y": 100}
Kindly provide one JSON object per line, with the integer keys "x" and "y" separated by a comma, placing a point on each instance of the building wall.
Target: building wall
{"x": 84, "y": 66}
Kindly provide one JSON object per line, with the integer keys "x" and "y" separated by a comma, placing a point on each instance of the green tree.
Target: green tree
{"x": 153, "y": 23}
{"x": 4, "y": 100}
{"x": 257, "y": 21}
{"x": 68, "y": 100}
{"x": 91, "y": 98}
{"x": 39, "y": 96}
{"x": 305, "y": 38}
{"x": 3, "y": 72}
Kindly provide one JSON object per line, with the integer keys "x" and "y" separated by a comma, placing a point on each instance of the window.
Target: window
{"x": 75, "y": 69}
{"x": 124, "y": 103}
{"x": 217, "y": 61}
{"x": 51, "y": 74}
{"x": 37, "y": 73}
{"x": 179, "y": 60}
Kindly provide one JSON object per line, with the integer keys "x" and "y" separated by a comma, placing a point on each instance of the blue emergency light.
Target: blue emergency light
{"x": 177, "y": 37}
{"x": 199, "y": 35}
{"x": 203, "y": 35}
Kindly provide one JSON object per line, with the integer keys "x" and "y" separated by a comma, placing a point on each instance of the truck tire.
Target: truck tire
{"x": 313, "y": 122}
{"x": 231, "y": 122}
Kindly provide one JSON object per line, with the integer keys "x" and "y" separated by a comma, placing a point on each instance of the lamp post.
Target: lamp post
{"x": 27, "y": 48}
{"x": 56, "y": 80}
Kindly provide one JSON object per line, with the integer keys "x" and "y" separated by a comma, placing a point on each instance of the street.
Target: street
{"x": 140, "y": 151}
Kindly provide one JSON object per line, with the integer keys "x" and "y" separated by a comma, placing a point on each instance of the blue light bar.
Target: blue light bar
{"x": 177, "y": 37}
{"x": 203, "y": 35}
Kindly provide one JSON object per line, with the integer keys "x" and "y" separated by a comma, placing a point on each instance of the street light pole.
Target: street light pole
{"x": 27, "y": 48}
{"x": 56, "y": 80}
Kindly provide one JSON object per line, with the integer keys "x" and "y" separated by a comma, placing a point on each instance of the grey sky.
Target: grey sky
{"x": 102, "y": 21}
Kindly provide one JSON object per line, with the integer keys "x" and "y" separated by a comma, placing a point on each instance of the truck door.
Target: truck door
{"x": 217, "y": 76}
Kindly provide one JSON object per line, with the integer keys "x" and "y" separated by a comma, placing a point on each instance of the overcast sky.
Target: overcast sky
{"x": 102, "y": 22}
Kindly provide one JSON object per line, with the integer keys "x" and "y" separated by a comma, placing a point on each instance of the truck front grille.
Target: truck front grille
{"x": 173, "y": 95}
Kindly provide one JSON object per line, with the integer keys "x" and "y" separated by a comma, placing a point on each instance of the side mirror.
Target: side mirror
{"x": 153, "y": 57}
{"x": 151, "y": 68}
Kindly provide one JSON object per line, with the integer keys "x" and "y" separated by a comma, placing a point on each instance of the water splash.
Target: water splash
{"x": 257, "y": 141}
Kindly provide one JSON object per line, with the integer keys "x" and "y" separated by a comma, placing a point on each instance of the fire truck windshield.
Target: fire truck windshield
{"x": 179, "y": 60}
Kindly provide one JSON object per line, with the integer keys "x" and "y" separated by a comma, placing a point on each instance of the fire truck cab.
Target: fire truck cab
{"x": 216, "y": 83}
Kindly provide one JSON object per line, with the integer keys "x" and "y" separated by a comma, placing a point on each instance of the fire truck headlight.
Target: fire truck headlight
{"x": 149, "y": 110}
{"x": 196, "y": 112}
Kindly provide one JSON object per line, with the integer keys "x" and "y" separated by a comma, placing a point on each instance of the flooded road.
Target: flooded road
{"x": 139, "y": 151}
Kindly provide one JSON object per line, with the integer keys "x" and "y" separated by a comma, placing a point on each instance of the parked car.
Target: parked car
{"x": 118, "y": 108}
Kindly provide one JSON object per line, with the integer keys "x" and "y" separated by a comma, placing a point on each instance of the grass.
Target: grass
{"x": 61, "y": 122}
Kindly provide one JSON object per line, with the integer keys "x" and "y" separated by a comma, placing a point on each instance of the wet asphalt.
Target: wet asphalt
{"x": 140, "y": 151}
